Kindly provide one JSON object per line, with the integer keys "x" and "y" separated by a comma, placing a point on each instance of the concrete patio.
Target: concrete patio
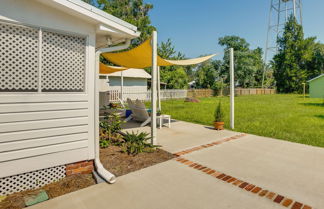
{"x": 292, "y": 171}
{"x": 182, "y": 135}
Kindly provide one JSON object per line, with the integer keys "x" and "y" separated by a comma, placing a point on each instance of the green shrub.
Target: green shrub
{"x": 219, "y": 114}
{"x": 111, "y": 123}
{"x": 110, "y": 126}
{"x": 135, "y": 143}
{"x": 218, "y": 88}
{"x": 104, "y": 143}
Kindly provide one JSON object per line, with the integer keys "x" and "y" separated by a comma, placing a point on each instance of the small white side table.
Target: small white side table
{"x": 162, "y": 117}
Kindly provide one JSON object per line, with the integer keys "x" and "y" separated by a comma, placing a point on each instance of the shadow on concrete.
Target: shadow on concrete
{"x": 134, "y": 124}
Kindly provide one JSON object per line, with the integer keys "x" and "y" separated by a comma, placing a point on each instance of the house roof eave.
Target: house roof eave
{"x": 316, "y": 78}
{"x": 83, "y": 10}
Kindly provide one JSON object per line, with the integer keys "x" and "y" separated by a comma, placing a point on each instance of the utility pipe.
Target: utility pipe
{"x": 106, "y": 175}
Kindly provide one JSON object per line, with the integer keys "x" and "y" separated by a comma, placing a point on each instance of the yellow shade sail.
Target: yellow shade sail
{"x": 105, "y": 69}
{"x": 141, "y": 57}
{"x": 190, "y": 61}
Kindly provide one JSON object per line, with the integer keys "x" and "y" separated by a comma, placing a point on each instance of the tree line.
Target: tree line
{"x": 298, "y": 58}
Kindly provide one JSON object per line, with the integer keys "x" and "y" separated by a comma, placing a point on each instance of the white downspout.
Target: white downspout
{"x": 106, "y": 175}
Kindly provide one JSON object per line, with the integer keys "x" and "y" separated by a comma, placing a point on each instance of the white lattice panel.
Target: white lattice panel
{"x": 18, "y": 58}
{"x": 31, "y": 180}
{"x": 63, "y": 62}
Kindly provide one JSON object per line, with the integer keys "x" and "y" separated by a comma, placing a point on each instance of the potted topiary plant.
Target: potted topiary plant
{"x": 219, "y": 117}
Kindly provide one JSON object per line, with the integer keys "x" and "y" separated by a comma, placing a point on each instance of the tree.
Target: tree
{"x": 294, "y": 53}
{"x": 175, "y": 76}
{"x": 248, "y": 63}
{"x": 132, "y": 11}
{"x": 315, "y": 67}
{"x": 235, "y": 42}
{"x": 207, "y": 74}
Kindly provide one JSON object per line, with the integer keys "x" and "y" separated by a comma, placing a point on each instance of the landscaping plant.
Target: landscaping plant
{"x": 104, "y": 143}
{"x": 135, "y": 143}
{"x": 111, "y": 123}
{"x": 109, "y": 130}
{"x": 219, "y": 114}
{"x": 219, "y": 117}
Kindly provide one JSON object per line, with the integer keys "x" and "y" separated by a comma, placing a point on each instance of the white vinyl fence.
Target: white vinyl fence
{"x": 145, "y": 95}
{"x": 115, "y": 95}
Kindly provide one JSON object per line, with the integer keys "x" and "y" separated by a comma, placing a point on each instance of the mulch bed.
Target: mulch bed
{"x": 120, "y": 163}
{"x": 113, "y": 160}
{"x": 64, "y": 186}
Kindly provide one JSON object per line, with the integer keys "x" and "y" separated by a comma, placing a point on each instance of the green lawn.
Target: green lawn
{"x": 287, "y": 117}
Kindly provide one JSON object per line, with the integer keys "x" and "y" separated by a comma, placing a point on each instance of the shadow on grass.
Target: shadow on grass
{"x": 320, "y": 116}
{"x": 313, "y": 104}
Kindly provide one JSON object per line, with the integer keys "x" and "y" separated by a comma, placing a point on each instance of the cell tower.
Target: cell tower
{"x": 280, "y": 10}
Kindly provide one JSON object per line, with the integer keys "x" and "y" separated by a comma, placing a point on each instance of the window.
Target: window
{"x": 61, "y": 63}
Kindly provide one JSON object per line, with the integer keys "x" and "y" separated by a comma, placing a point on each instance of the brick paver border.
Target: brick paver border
{"x": 248, "y": 187}
{"x": 209, "y": 145}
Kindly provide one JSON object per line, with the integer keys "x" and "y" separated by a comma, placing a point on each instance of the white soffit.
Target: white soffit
{"x": 109, "y": 23}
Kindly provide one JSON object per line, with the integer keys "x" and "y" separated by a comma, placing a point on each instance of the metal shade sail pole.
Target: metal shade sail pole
{"x": 159, "y": 88}
{"x": 154, "y": 89}
{"x": 232, "y": 88}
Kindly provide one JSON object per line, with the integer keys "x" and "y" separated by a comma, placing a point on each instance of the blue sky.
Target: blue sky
{"x": 194, "y": 26}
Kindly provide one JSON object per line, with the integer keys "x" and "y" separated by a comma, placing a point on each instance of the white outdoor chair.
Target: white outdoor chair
{"x": 122, "y": 104}
{"x": 131, "y": 106}
{"x": 139, "y": 112}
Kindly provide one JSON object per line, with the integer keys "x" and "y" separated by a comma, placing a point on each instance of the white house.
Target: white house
{"x": 48, "y": 93}
{"x": 132, "y": 82}
{"x": 133, "y": 79}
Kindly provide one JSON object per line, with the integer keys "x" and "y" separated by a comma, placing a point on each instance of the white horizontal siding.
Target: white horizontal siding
{"x": 24, "y": 165}
{"x": 38, "y": 129}
{"x": 34, "y": 125}
{"x": 26, "y": 153}
{"x": 30, "y": 116}
{"x": 42, "y": 133}
{"x": 128, "y": 82}
{"x": 25, "y": 144}
{"x": 33, "y": 107}
{"x": 32, "y": 98}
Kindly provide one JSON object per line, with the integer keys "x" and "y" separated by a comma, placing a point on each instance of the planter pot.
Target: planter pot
{"x": 219, "y": 125}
